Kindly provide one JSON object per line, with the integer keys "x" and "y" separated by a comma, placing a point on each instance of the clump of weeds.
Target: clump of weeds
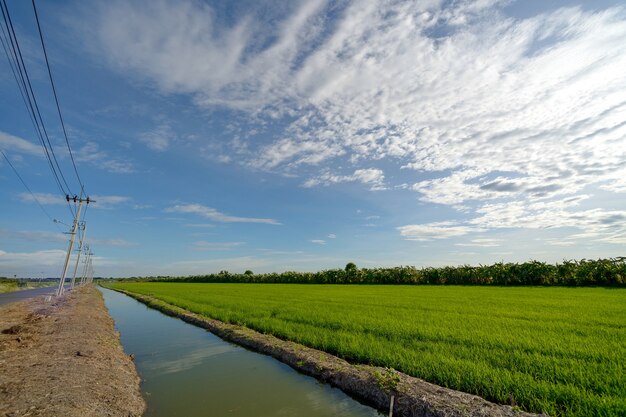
{"x": 388, "y": 379}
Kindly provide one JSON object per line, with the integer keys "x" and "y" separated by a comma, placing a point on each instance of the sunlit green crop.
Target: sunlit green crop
{"x": 552, "y": 349}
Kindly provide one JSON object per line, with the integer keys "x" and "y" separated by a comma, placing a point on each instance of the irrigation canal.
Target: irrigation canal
{"x": 187, "y": 371}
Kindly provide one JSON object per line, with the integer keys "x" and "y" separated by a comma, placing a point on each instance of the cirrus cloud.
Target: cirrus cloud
{"x": 491, "y": 112}
{"x": 213, "y": 214}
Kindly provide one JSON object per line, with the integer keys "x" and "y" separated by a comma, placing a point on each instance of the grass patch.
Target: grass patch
{"x": 556, "y": 350}
{"x": 10, "y": 284}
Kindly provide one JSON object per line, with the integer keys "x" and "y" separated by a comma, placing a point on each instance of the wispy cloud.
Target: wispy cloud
{"x": 109, "y": 201}
{"x": 318, "y": 241}
{"x": 91, "y": 152}
{"x": 45, "y": 236}
{"x": 159, "y": 138}
{"x": 215, "y": 246}
{"x": 371, "y": 176}
{"x": 500, "y": 111}
{"x": 34, "y": 235}
{"x": 482, "y": 243}
{"x": 35, "y": 260}
{"x": 437, "y": 230}
{"x": 213, "y": 214}
{"x": 592, "y": 224}
{"x": 112, "y": 242}
{"x": 43, "y": 198}
{"x": 12, "y": 143}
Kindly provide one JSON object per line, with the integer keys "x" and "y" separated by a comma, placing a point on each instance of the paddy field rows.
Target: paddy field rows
{"x": 552, "y": 349}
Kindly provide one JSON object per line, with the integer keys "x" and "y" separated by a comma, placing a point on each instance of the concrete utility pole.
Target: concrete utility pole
{"x": 80, "y": 249}
{"x": 80, "y": 201}
{"x": 90, "y": 271}
{"x": 83, "y": 277}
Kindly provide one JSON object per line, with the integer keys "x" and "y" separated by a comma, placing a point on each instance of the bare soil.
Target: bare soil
{"x": 371, "y": 385}
{"x": 64, "y": 358}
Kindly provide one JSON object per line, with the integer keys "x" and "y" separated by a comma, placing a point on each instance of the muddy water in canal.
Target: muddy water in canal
{"x": 187, "y": 371}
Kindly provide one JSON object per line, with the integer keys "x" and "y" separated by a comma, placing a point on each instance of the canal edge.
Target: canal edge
{"x": 371, "y": 385}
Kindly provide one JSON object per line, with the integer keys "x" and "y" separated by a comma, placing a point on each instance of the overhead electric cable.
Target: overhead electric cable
{"x": 4, "y": 39}
{"x": 56, "y": 99}
{"x": 26, "y": 186}
{"x": 16, "y": 69}
{"x": 19, "y": 69}
{"x": 34, "y": 106}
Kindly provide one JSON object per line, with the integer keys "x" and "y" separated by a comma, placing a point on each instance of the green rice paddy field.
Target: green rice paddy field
{"x": 551, "y": 349}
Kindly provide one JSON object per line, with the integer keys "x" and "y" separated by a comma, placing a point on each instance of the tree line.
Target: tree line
{"x": 601, "y": 272}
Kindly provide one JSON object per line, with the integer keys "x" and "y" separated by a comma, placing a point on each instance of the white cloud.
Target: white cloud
{"x": 215, "y": 246}
{"x": 318, "y": 241}
{"x": 332, "y": 236}
{"x": 213, "y": 214}
{"x": 116, "y": 166}
{"x": 111, "y": 242}
{"x": 35, "y": 260}
{"x": 34, "y": 235}
{"x": 159, "y": 138}
{"x": 91, "y": 152}
{"x": 615, "y": 182}
{"x": 437, "y": 230}
{"x": 379, "y": 85}
{"x": 183, "y": 48}
{"x": 490, "y": 92}
{"x": 500, "y": 112}
{"x": 44, "y": 236}
{"x": 43, "y": 198}
{"x": 371, "y": 176}
{"x": 14, "y": 144}
{"x": 108, "y": 201}
{"x": 482, "y": 243}
{"x": 597, "y": 225}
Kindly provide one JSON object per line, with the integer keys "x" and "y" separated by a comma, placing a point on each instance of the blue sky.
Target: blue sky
{"x": 303, "y": 135}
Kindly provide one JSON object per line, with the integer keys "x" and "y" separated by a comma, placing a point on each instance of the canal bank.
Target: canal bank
{"x": 63, "y": 357}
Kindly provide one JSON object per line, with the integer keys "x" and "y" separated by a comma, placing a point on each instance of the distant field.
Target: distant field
{"x": 10, "y": 285}
{"x": 557, "y": 350}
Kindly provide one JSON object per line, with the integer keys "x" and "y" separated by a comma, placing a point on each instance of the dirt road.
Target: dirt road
{"x": 64, "y": 358}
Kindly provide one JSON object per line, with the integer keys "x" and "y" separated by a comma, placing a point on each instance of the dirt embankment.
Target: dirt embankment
{"x": 63, "y": 358}
{"x": 372, "y": 385}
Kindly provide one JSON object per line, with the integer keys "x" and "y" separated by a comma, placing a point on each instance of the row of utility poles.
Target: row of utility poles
{"x": 78, "y": 226}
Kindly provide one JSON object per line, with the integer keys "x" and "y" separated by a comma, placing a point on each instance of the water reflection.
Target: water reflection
{"x": 189, "y": 372}
{"x": 191, "y": 359}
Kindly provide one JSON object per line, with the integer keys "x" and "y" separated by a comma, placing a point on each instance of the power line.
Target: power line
{"x": 16, "y": 69}
{"x": 30, "y": 101}
{"x": 26, "y": 186}
{"x": 20, "y": 60}
{"x": 56, "y": 100}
